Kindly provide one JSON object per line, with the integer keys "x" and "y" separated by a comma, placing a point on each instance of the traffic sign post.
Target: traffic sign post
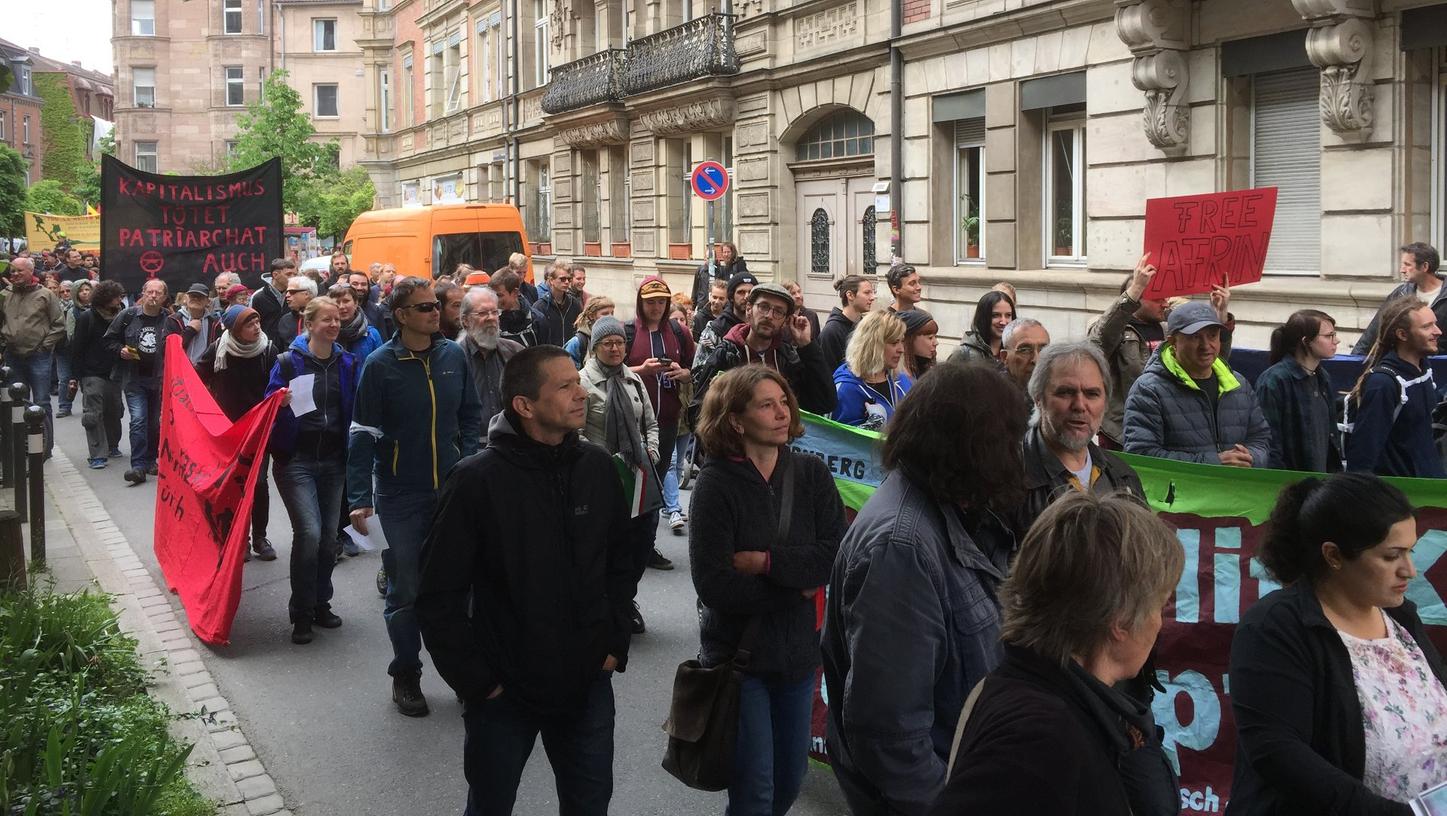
{"x": 710, "y": 181}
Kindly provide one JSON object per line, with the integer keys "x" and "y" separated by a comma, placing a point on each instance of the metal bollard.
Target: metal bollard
{"x": 12, "y": 551}
{"x": 19, "y": 396}
{"x": 35, "y": 451}
{"x": 6, "y": 473}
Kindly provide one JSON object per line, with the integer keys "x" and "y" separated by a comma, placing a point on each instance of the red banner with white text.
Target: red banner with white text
{"x": 208, "y": 471}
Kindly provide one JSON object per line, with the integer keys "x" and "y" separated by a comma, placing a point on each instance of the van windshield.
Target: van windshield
{"x": 487, "y": 251}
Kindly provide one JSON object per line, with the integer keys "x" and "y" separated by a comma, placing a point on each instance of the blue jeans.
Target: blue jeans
{"x": 772, "y": 751}
{"x": 664, "y": 468}
{"x": 143, "y": 403}
{"x": 311, "y": 489}
{"x": 62, "y": 377}
{"x": 675, "y": 461}
{"x": 500, "y": 738}
{"x": 34, "y": 370}
{"x": 406, "y": 517}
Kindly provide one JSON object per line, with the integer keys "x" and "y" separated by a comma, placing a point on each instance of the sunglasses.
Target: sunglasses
{"x": 425, "y": 308}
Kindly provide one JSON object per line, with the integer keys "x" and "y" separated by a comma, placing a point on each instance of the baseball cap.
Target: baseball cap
{"x": 772, "y": 290}
{"x": 653, "y": 288}
{"x": 199, "y": 289}
{"x": 1189, "y": 318}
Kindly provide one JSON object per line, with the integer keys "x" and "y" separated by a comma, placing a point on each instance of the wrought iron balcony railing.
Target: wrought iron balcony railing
{"x": 594, "y": 79}
{"x": 699, "y": 48}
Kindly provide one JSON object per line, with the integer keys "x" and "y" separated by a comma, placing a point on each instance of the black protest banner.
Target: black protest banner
{"x": 189, "y": 229}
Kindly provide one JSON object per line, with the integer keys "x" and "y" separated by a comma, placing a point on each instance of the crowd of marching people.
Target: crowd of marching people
{"x": 988, "y": 617}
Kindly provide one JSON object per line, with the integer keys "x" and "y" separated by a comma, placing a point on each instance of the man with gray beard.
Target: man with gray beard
{"x": 1070, "y": 390}
{"x": 487, "y": 350}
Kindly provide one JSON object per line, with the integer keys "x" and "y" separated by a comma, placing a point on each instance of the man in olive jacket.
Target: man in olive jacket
{"x": 34, "y": 324}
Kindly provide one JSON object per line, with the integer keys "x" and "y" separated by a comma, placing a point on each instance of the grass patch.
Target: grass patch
{"x": 79, "y": 735}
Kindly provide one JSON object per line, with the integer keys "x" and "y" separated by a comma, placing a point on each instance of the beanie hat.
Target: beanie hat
{"x": 606, "y": 326}
{"x": 915, "y": 319}
{"x": 237, "y": 314}
{"x": 740, "y": 279}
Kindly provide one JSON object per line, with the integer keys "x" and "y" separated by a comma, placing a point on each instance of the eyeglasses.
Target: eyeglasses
{"x": 296, "y": 291}
{"x": 611, "y": 344}
{"x": 425, "y": 308}
{"x": 1025, "y": 350}
{"x": 770, "y": 309}
{"x": 1328, "y": 335}
{"x": 486, "y": 313}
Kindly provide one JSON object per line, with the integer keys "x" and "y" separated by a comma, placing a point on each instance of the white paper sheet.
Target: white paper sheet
{"x": 371, "y": 542}
{"x": 303, "y": 401}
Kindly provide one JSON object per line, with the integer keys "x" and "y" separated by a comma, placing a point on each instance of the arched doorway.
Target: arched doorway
{"x": 833, "y": 171}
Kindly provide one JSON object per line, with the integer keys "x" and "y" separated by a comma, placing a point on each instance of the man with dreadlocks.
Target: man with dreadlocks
{"x": 1389, "y": 413}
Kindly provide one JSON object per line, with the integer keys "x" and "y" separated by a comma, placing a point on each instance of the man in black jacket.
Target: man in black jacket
{"x": 526, "y": 592}
{"x": 725, "y": 266}
{"x": 91, "y": 363}
{"x": 778, "y": 341}
{"x": 557, "y": 309}
{"x": 270, "y": 300}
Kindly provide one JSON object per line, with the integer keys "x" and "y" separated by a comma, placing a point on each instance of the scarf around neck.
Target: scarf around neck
{"x": 620, "y": 423}
{"x": 229, "y": 346}
{"x": 356, "y": 328}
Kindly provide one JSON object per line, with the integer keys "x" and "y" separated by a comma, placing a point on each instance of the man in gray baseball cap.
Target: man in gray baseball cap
{"x": 1189, "y": 405}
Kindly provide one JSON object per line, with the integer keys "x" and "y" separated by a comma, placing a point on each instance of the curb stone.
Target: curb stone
{"x": 170, "y": 651}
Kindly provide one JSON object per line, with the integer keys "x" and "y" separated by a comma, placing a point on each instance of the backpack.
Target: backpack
{"x": 1347, "y": 425}
{"x": 630, "y": 331}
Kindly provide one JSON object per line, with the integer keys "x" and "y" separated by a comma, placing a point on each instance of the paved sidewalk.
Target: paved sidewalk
{"x": 85, "y": 549}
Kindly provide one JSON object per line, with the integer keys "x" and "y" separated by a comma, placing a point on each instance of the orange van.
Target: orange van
{"x": 431, "y": 241}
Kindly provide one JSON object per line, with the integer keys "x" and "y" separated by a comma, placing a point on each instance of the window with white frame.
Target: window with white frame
{"x": 143, "y": 87}
{"x": 540, "y": 221}
{"x": 326, "y": 100}
{"x": 2, "y": 126}
{"x": 541, "y": 43}
{"x": 143, "y": 18}
{"x": 25, "y": 132}
{"x": 490, "y": 57}
{"x": 235, "y": 86}
{"x": 969, "y": 207}
{"x": 1286, "y": 154}
{"x": 592, "y": 192}
{"x": 231, "y": 17}
{"x": 409, "y": 82}
{"x": 146, "y": 157}
{"x": 618, "y": 193}
{"x": 25, "y": 87}
{"x": 1064, "y": 176}
{"x": 261, "y": 16}
{"x": 435, "y": 84}
{"x": 384, "y": 100}
{"x": 324, "y": 35}
{"x": 452, "y": 71}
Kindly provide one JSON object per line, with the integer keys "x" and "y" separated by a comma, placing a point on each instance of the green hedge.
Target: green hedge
{"x": 79, "y": 735}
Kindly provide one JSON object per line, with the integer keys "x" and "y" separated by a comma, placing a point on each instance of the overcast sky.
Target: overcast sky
{"x": 65, "y": 30}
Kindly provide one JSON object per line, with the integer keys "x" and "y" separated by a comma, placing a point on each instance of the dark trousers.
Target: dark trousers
{"x": 500, "y": 737}
{"x": 311, "y": 489}
{"x": 143, "y": 403}
{"x": 772, "y": 750}
{"x": 101, "y": 411}
{"x": 261, "y": 504}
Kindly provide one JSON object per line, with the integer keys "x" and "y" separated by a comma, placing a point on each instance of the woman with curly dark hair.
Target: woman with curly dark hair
{"x": 912, "y": 622}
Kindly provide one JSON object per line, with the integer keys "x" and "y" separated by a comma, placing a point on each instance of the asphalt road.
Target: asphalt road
{"x": 321, "y": 716}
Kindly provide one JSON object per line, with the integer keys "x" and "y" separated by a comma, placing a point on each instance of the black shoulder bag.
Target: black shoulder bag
{"x": 703, "y": 717}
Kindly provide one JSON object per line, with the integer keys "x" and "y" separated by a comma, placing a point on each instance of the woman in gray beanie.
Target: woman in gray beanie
{"x": 621, "y": 419}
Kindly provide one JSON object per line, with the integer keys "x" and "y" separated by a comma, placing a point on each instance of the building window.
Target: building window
{"x": 869, "y": 223}
{"x": 1064, "y": 175}
{"x": 839, "y": 135}
{"x": 235, "y": 87}
{"x": 592, "y": 197}
{"x": 231, "y": 17}
{"x": 261, "y": 16}
{"x": 819, "y": 243}
{"x": 678, "y": 161}
{"x": 230, "y": 147}
{"x": 969, "y": 211}
{"x": 2, "y": 126}
{"x": 540, "y": 219}
{"x": 25, "y": 129}
{"x": 25, "y": 87}
{"x": 143, "y": 18}
{"x": 490, "y": 57}
{"x": 618, "y": 193}
{"x": 541, "y": 43}
{"x": 409, "y": 82}
{"x": 326, "y": 100}
{"x": 146, "y": 158}
{"x": 324, "y": 35}
{"x": 1286, "y": 154}
{"x": 452, "y": 70}
{"x": 143, "y": 84}
{"x": 384, "y": 99}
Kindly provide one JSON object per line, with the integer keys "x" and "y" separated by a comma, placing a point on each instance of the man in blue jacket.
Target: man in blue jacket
{"x": 416, "y": 414}
{"x": 1389, "y": 413}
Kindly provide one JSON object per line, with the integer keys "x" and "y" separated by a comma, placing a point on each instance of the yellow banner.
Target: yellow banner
{"x": 44, "y": 231}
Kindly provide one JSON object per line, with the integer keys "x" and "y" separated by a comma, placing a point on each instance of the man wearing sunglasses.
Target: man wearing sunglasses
{"x": 416, "y": 414}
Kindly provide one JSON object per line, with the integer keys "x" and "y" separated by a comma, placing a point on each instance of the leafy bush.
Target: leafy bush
{"x": 78, "y": 733}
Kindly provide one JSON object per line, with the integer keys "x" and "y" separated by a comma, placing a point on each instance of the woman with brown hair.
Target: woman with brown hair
{"x": 582, "y": 339}
{"x": 1296, "y": 394}
{"x": 921, "y": 342}
{"x": 766, "y": 525}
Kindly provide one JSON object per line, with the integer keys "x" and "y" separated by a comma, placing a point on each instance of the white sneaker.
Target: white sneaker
{"x": 675, "y": 520}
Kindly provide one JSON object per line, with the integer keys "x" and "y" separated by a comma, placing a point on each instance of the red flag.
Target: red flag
{"x": 208, "y": 470}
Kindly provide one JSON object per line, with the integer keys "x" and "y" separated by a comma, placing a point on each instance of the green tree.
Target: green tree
{"x": 64, "y": 133}
{"x": 12, "y": 192}
{"x": 332, "y": 203}
{"x": 49, "y": 197}
{"x": 87, "y": 189}
{"x": 276, "y": 126}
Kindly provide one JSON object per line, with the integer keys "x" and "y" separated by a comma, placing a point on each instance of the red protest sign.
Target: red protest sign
{"x": 1199, "y": 241}
{"x": 208, "y": 469}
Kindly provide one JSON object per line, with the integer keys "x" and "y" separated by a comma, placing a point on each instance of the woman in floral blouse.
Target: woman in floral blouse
{"x": 1338, "y": 694}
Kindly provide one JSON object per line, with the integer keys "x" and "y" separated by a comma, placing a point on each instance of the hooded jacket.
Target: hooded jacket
{"x": 89, "y": 356}
{"x": 1389, "y": 426}
{"x": 861, "y": 405}
{"x": 1300, "y": 407}
{"x": 679, "y": 347}
{"x": 420, "y": 403}
{"x": 180, "y": 323}
{"x": 554, "y": 321}
{"x": 911, "y": 624}
{"x": 718, "y": 328}
{"x": 518, "y": 325}
{"x": 323, "y": 431}
{"x": 973, "y": 349}
{"x": 1300, "y": 744}
{"x": 735, "y": 510}
{"x": 527, "y": 575}
{"x": 834, "y": 337}
{"x": 595, "y": 381}
{"x": 1167, "y": 416}
{"x": 1407, "y": 289}
{"x": 34, "y": 320}
{"x": 802, "y": 366}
